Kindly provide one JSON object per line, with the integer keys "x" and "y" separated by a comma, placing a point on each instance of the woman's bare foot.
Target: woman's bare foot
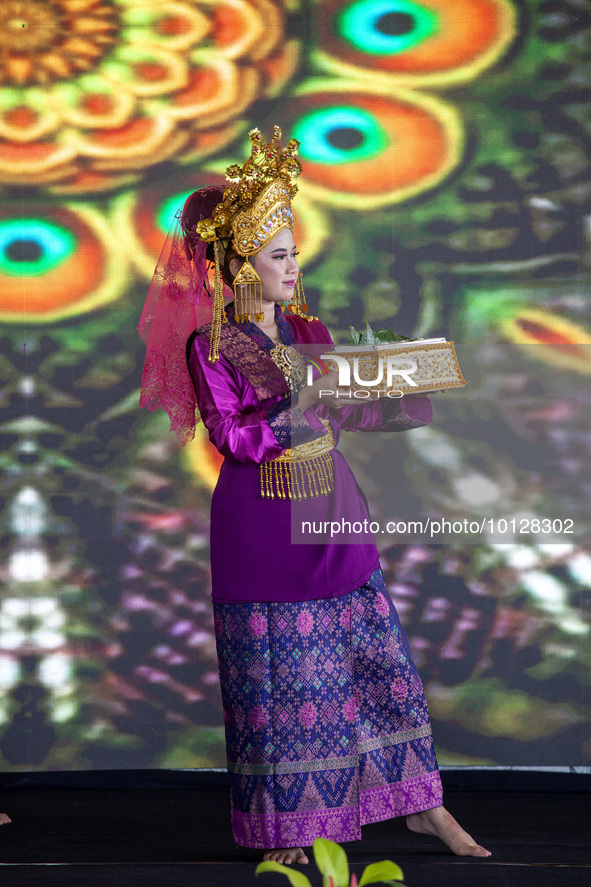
{"x": 4, "y": 819}
{"x": 286, "y": 855}
{"x": 441, "y": 824}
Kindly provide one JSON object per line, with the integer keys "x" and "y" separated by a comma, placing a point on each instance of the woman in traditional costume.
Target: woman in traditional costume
{"x": 326, "y": 721}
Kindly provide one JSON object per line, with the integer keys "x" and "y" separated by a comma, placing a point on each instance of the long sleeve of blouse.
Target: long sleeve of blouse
{"x": 239, "y": 425}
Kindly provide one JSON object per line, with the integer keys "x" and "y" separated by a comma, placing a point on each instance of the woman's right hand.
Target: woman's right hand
{"x": 311, "y": 395}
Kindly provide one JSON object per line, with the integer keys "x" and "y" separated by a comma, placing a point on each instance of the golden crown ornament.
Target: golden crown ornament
{"x": 256, "y": 205}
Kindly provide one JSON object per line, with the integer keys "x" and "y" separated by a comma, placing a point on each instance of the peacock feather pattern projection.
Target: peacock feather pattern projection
{"x": 445, "y": 148}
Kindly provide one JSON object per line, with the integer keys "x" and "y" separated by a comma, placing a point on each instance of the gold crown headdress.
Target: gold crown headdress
{"x": 256, "y": 205}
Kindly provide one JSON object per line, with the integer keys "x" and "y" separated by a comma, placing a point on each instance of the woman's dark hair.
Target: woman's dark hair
{"x": 230, "y": 254}
{"x": 200, "y": 205}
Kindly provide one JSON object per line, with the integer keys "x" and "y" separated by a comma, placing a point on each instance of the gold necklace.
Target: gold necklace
{"x": 291, "y": 363}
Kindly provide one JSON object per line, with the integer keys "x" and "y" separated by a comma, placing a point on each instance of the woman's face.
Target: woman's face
{"x": 277, "y": 266}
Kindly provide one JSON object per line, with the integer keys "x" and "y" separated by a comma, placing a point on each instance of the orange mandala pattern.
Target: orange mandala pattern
{"x": 433, "y": 43}
{"x": 94, "y": 91}
{"x": 57, "y": 262}
{"x": 46, "y": 42}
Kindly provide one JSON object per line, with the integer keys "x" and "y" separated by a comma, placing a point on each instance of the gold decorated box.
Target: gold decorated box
{"x": 432, "y": 364}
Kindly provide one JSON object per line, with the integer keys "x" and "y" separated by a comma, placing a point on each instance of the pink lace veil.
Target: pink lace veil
{"x": 177, "y": 303}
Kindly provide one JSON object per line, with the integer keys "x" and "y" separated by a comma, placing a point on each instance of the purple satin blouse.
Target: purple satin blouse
{"x": 253, "y": 557}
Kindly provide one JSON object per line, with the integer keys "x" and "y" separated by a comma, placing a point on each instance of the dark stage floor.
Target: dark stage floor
{"x": 161, "y": 838}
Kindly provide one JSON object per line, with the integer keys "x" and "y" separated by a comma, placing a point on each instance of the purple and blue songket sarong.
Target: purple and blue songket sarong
{"x": 327, "y": 726}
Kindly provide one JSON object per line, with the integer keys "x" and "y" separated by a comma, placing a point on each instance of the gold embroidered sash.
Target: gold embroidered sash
{"x": 300, "y": 472}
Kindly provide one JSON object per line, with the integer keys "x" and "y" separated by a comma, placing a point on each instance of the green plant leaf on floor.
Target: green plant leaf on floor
{"x": 380, "y": 873}
{"x": 331, "y": 859}
{"x": 295, "y": 878}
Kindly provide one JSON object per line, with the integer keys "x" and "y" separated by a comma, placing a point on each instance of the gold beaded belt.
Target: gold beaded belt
{"x": 300, "y": 472}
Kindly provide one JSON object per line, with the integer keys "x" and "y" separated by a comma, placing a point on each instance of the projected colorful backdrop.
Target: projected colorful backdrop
{"x": 446, "y": 155}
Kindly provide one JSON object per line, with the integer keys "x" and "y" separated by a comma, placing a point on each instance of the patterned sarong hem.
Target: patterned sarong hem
{"x": 310, "y": 766}
{"x": 301, "y": 827}
{"x": 298, "y": 828}
{"x": 400, "y": 798}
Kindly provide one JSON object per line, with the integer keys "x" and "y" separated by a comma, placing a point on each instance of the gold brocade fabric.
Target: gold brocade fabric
{"x": 263, "y": 374}
{"x": 292, "y": 365}
{"x": 300, "y": 472}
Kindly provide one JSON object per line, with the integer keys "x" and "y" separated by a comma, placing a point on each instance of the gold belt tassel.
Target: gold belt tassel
{"x": 302, "y": 472}
{"x": 300, "y": 480}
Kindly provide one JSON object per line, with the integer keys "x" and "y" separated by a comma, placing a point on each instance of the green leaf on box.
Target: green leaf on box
{"x": 369, "y": 337}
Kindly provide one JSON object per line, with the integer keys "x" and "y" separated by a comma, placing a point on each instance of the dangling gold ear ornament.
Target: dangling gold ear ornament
{"x": 248, "y": 292}
{"x": 298, "y": 304}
